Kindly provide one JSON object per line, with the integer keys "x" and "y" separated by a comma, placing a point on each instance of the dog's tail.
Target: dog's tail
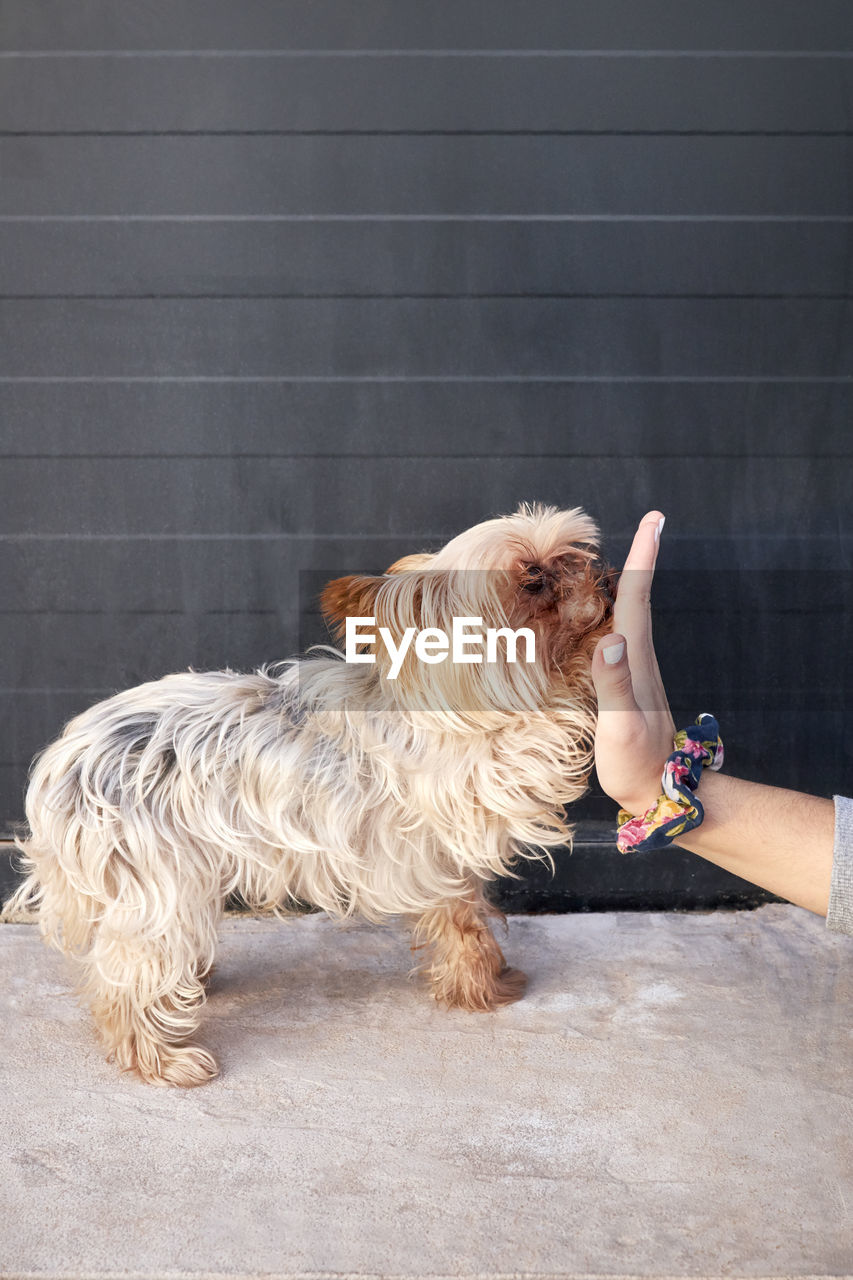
{"x": 23, "y": 906}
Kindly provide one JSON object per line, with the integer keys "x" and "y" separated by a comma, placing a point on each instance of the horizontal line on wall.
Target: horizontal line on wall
{"x": 145, "y": 613}
{"x": 587, "y": 832}
{"x": 425, "y": 133}
{"x": 311, "y": 607}
{"x": 426, "y": 53}
{"x": 739, "y": 691}
{"x": 429, "y": 217}
{"x": 214, "y": 537}
{"x": 51, "y": 689}
{"x": 351, "y": 536}
{"x": 420, "y": 297}
{"x": 535, "y": 379}
{"x": 97, "y": 693}
{"x": 338, "y": 455}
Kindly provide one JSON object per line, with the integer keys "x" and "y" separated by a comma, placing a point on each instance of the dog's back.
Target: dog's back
{"x": 121, "y": 756}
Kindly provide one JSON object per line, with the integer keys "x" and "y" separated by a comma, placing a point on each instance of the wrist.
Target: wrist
{"x": 641, "y": 800}
{"x": 713, "y": 790}
{"x": 677, "y": 808}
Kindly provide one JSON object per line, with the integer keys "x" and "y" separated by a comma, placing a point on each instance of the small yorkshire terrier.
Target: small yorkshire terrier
{"x": 325, "y": 782}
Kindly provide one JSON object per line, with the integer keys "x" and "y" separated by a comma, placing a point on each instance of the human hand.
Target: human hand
{"x": 635, "y": 726}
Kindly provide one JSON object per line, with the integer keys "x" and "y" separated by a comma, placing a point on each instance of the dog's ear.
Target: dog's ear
{"x": 350, "y": 597}
{"x": 395, "y": 599}
{"x": 418, "y": 560}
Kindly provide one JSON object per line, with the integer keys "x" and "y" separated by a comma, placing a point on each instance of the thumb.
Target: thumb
{"x": 611, "y": 675}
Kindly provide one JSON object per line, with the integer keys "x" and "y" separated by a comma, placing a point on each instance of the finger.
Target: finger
{"x": 635, "y": 581}
{"x": 644, "y": 548}
{"x": 632, "y": 611}
{"x": 611, "y": 675}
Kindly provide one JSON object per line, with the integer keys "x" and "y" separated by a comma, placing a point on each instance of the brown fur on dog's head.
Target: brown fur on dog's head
{"x": 538, "y": 569}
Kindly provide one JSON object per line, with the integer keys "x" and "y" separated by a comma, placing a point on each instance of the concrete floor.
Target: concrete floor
{"x": 672, "y": 1098}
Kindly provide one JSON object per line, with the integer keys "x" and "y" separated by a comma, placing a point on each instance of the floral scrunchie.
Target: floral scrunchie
{"x": 678, "y": 809}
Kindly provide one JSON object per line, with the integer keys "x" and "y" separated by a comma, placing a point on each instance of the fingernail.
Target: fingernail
{"x": 613, "y": 653}
{"x": 659, "y": 529}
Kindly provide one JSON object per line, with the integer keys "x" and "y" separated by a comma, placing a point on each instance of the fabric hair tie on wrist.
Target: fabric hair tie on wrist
{"x": 678, "y": 808}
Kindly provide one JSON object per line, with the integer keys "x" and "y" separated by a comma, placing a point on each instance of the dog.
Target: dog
{"x": 323, "y": 782}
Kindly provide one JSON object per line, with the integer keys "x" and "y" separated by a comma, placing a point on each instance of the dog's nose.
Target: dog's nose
{"x": 609, "y": 586}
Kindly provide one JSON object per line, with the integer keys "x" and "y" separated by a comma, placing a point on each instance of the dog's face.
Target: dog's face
{"x": 553, "y": 579}
{"x": 536, "y": 570}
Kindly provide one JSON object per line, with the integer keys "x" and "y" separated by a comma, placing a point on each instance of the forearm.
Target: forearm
{"x": 781, "y": 840}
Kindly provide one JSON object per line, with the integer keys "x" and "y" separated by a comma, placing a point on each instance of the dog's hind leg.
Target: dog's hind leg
{"x": 140, "y": 924}
{"x": 146, "y": 996}
{"x": 468, "y": 970}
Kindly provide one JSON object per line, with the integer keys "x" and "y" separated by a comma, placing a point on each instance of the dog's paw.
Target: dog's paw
{"x": 480, "y": 991}
{"x": 510, "y": 986}
{"x": 187, "y": 1067}
{"x": 184, "y": 1066}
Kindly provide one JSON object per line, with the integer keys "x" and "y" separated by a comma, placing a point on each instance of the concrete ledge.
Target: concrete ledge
{"x": 593, "y": 877}
{"x": 672, "y": 1098}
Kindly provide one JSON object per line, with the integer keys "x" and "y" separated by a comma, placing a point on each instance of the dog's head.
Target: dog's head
{"x": 535, "y": 573}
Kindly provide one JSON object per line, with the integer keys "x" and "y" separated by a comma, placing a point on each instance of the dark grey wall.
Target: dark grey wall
{"x": 292, "y": 288}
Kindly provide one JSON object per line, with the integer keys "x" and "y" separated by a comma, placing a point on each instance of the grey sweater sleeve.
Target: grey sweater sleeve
{"x": 840, "y": 913}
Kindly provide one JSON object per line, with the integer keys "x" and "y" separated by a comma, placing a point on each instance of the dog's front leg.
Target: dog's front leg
{"x": 467, "y": 969}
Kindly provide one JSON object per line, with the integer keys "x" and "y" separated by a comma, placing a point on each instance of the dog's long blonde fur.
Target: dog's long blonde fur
{"x": 325, "y": 783}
